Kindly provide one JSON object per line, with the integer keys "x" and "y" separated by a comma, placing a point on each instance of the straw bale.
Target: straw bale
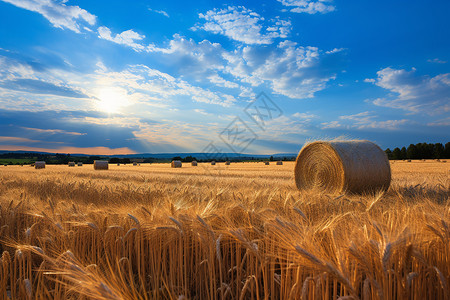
{"x": 339, "y": 166}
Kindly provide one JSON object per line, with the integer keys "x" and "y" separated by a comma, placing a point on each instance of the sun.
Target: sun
{"x": 112, "y": 99}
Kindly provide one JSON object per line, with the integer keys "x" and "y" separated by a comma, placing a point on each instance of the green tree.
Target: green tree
{"x": 412, "y": 152}
{"x": 396, "y": 154}
{"x": 403, "y": 153}
{"x": 438, "y": 150}
{"x": 388, "y": 153}
{"x": 447, "y": 150}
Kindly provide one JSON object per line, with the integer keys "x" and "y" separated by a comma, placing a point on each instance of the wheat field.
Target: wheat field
{"x": 241, "y": 231}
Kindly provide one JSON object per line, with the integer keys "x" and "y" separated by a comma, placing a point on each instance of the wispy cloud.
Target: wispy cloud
{"x": 16, "y": 139}
{"x": 309, "y": 6}
{"x": 414, "y": 93}
{"x": 128, "y": 38}
{"x": 41, "y": 87}
{"x": 441, "y": 123}
{"x": 147, "y": 81}
{"x": 72, "y": 150}
{"x": 219, "y": 81}
{"x": 161, "y": 12}
{"x": 53, "y": 131}
{"x": 57, "y": 13}
{"x": 437, "y": 61}
{"x": 363, "y": 120}
{"x": 244, "y": 25}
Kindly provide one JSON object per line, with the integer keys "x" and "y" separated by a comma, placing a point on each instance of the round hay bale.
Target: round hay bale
{"x": 118, "y": 165}
{"x": 134, "y": 163}
{"x": 39, "y": 165}
{"x": 101, "y": 165}
{"x": 176, "y": 164}
{"x": 71, "y": 164}
{"x": 408, "y": 160}
{"x": 213, "y": 163}
{"x": 227, "y": 163}
{"x": 342, "y": 166}
{"x": 266, "y": 163}
{"x": 279, "y": 163}
{"x": 194, "y": 163}
{"x": 80, "y": 164}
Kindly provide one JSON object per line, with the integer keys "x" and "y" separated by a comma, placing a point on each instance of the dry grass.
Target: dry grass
{"x": 210, "y": 232}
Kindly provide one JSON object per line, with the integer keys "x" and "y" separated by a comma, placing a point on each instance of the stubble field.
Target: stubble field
{"x": 220, "y": 232}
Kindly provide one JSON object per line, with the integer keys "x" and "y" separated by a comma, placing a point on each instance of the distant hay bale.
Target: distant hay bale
{"x": 80, "y": 164}
{"x": 438, "y": 159}
{"x": 176, "y": 164}
{"x": 71, "y": 164}
{"x": 408, "y": 160}
{"x": 279, "y": 163}
{"x": 101, "y": 165}
{"x": 134, "y": 163}
{"x": 194, "y": 163}
{"x": 227, "y": 163}
{"x": 213, "y": 163}
{"x": 118, "y": 165}
{"x": 342, "y": 166}
{"x": 39, "y": 165}
{"x": 266, "y": 163}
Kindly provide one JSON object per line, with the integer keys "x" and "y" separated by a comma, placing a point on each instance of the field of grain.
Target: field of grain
{"x": 241, "y": 231}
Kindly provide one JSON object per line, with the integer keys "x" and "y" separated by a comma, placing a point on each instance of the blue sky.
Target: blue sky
{"x": 118, "y": 77}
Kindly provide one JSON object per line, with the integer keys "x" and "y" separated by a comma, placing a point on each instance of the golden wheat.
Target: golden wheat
{"x": 244, "y": 232}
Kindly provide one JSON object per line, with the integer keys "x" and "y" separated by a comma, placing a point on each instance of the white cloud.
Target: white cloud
{"x": 363, "y": 120}
{"x": 56, "y": 12}
{"x": 161, "y": 12}
{"x": 219, "y": 81}
{"x": 128, "y": 38}
{"x": 309, "y": 6}
{"x": 304, "y": 116}
{"x": 436, "y": 61}
{"x": 331, "y": 125}
{"x": 201, "y": 111}
{"x": 414, "y": 93}
{"x": 243, "y": 25}
{"x": 53, "y": 131}
{"x": 146, "y": 81}
{"x": 18, "y": 76}
{"x": 291, "y": 70}
{"x": 199, "y": 60}
{"x": 441, "y": 122}
{"x": 62, "y": 90}
{"x": 246, "y": 92}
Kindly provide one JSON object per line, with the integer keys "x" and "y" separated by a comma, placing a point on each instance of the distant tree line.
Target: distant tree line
{"x": 116, "y": 160}
{"x": 21, "y": 158}
{"x": 420, "y": 151}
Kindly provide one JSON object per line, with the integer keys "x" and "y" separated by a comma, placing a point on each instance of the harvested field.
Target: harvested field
{"x": 242, "y": 231}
